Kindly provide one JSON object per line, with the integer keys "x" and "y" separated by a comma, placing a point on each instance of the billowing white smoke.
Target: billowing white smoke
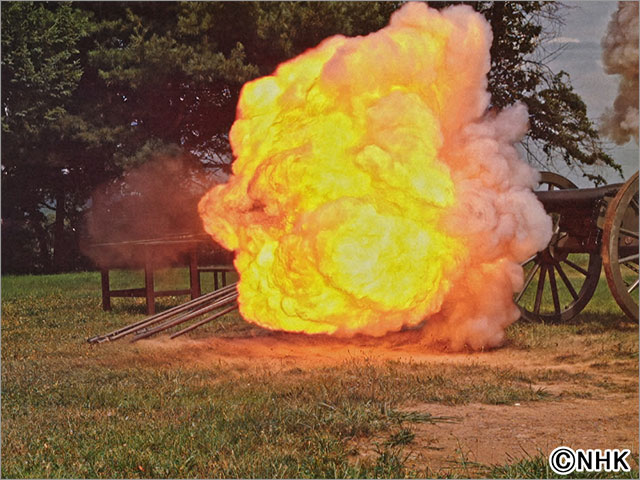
{"x": 501, "y": 220}
{"x": 620, "y": 57}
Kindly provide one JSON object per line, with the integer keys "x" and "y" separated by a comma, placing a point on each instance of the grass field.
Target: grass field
{"x": 148, "y": 410}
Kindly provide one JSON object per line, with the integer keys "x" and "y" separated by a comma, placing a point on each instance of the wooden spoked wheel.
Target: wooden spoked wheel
{"x": 557, "y": 285}
{"x": 553, "y": 181}
{"x": 620, "y": 247}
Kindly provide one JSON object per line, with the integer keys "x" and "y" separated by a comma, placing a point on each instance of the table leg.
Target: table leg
{"x": 194, "y": 276}
{"x": 106, "y": 292}
{"x": 148, "y": 285}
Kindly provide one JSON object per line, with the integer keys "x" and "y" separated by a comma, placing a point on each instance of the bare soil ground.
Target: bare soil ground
{"x": 499, "y": 434}
{"x": 592, "y": 393}
{"x": 590, "y": 406}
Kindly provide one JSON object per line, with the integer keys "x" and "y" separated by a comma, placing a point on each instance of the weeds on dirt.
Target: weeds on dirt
{"x": 537, "y": 466}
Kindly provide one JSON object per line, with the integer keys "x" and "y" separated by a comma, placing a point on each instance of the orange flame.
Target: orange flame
{"x": 353, "y": 204}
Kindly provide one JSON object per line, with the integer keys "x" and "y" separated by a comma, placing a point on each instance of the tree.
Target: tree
{"x": 177, "y": 69}
{"x": 180, "y": 68}
{"x": 40, "y": 74}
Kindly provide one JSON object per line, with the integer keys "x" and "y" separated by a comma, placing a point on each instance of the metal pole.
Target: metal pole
{"x": 202, "y": 322}
{"x": 223, "y": 301}
{"x": 145, "y": 322}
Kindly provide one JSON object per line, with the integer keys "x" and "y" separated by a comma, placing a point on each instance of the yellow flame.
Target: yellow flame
{"x": 340, "y": 186}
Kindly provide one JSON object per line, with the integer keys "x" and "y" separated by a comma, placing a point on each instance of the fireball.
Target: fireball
{"x": 370, "y": 190}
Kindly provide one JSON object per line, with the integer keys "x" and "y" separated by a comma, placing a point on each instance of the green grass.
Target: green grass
{"x": 74, "y": 410}
{"x": 602, "y": 316}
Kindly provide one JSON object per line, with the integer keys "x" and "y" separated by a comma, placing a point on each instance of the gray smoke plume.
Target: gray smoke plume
{"x": 620, "y": 57}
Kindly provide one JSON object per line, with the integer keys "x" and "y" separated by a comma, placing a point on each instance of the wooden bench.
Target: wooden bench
{"x": 148, "y": 255}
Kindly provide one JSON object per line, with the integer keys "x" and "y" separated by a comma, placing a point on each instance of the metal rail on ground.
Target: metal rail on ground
{"x": 191, "y": 310}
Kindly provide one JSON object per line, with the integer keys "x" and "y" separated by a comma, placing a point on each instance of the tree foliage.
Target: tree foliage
{"x": 177, "y": 69}
{"x": 41, "y": 71}
{"x": 91, "y": 89}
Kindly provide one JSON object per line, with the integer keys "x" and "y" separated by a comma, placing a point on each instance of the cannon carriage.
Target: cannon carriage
{"x": 592, "y": 228}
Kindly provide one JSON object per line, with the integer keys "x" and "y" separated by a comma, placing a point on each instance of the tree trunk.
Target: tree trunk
{"x": 496, "y": 20}
{"x": 43, "y": 239}
{"x": 60, "y": 247}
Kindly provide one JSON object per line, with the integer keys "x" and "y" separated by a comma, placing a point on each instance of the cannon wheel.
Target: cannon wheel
{"x": 569, "y": 280}
{"x": 621, "y": 230}
{"x": 553, "y": 181}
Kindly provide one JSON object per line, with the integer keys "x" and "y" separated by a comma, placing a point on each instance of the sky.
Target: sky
{"x": 585, "y": 25}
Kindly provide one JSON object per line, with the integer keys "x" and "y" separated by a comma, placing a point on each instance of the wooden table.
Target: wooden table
{"x": 146, "y": 257}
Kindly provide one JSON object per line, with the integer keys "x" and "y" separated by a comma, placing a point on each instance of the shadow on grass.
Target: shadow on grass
{"x": 128, "y": 309}
{"x": 593, "y": 323}
{"x": 139, "y": 306}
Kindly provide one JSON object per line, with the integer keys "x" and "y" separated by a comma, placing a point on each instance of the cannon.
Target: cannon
{"x": 592, "y": 228}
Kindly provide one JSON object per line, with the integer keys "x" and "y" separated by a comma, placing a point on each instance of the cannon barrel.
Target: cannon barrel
{"x": 576, "y": 197}
{"x": 577, "y": 212}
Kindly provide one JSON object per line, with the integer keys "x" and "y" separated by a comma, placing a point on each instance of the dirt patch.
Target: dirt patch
{"x": 259, "y": 347}
{"x": 497, "y": 434}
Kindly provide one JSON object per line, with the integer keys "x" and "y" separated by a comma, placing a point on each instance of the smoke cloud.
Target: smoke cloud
{"x": 620, "y": 57}
{"x": 156, "y": 200}
{"x": 372, "y": 192}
